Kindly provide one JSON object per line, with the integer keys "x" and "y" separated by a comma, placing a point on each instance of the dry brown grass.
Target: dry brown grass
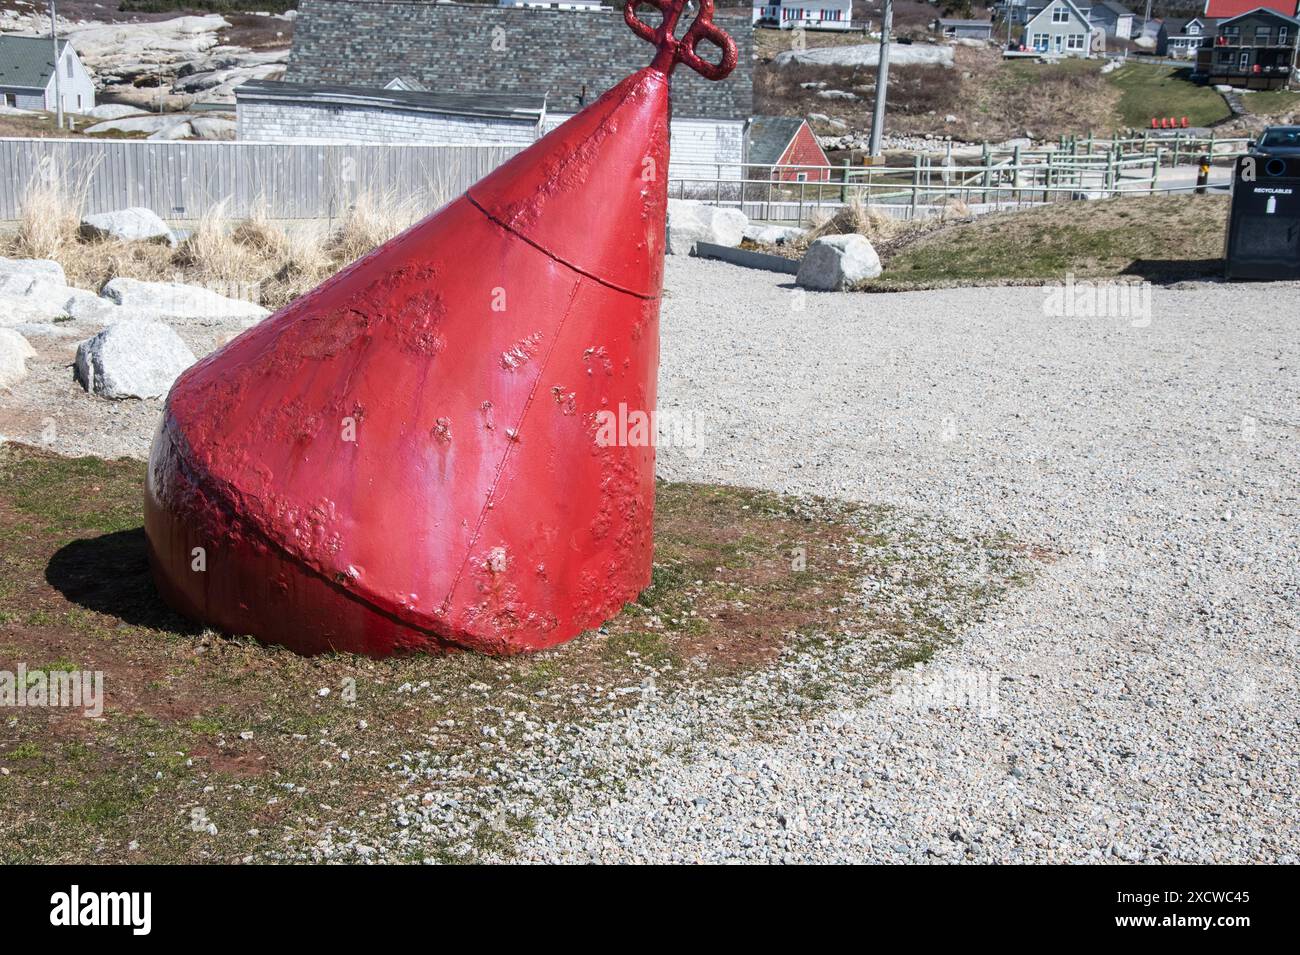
{"x": 853, "y": 218}
{"x": 49, "y": 218}
{"x": 282, "y": 261}
{"x": 883, "y": 230}
{"x": 991, "y": 100}
{"x": 370, "y": 222}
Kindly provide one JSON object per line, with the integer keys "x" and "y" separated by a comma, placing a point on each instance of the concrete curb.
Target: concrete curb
{"x": 746, "y": 258}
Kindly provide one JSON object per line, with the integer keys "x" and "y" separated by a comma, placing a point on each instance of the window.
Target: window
{"x": 69, "y": 67}
{"x": 801, "y": 177}
{"x": 1231, "y": 35}
{"x": 1040, "y": 41}
{"x": 1261, "y": 36}
{"x": 1281, "y": 36}
{"x": 1245, "y": 60}
{"x": 1074, "y": 41}
{"x": 1193, "y": 29}
{"x": 1060, "y": 14}
{"x": 1280, "y": 137}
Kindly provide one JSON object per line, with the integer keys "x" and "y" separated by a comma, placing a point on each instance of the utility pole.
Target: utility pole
{"x": 882, "y": 79}
{"x": 58, "y": 93}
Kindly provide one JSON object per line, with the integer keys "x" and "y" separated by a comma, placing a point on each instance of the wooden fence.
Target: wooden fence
{"x": 183, "y": 180}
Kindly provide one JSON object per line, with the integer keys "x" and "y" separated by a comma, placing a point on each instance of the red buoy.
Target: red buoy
{"x": 409, "y": 457}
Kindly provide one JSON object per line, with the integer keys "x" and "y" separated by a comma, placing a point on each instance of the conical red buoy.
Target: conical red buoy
{"x": 408, "y": 457}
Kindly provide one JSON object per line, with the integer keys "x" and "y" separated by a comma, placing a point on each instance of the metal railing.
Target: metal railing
{"x": 1084, "y": 169}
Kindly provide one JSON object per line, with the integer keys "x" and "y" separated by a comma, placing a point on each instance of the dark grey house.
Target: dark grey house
{"x": 1181, "y": 37}
{"x": 1115, "y": 19}
{"x": 1255, "y": 50}
{"x": 570, "y": 57}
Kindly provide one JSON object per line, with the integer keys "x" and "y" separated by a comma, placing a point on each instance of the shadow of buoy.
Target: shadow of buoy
{"x": 110, "y": 575}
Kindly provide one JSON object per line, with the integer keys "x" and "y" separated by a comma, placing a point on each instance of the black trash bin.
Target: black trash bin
{"x": 1263, "y": 239}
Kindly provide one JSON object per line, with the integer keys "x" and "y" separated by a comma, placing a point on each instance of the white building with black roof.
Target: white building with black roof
{"x": 273, "y": 111}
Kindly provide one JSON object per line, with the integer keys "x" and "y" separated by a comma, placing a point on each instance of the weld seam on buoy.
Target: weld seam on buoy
{"x": 510, "y": 448}
{"x": 551, "y": 255}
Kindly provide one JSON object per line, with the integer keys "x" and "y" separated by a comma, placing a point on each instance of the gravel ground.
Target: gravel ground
{"x": 49, "y": 409}
{"x": 1135, "y": 702}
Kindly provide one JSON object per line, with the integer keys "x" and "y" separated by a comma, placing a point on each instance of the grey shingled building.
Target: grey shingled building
{"x": 473, "y": 48}
{"x": 570, "y": 57}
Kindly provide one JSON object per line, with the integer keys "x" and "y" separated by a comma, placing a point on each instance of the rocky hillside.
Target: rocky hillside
{"x": 143, "y": 58}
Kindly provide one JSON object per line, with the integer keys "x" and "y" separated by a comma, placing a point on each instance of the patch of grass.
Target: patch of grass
{"x": 1147, "y": 90}
{"x": 1158, "y": 238}
{"x": 217, "y": 749}
{"x": 1272, "y": 103}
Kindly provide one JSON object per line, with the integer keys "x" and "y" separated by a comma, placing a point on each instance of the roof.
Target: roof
{"x": 1174, "y": 26}
{"x": 27, "y": 61}
{"x": 944, "y": 21}
{"x": 1226, "y": 9}
{"x": 1269, "y": 10}
{"x": 491, "y": 105}
{"x": 770, "y": 136}
{"x": 1116, "y": 8}
{"x": 457, "y": 48}
{"x": 1069, "y": 3}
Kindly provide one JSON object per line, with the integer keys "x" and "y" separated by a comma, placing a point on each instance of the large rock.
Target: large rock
{"x": 150, "y": 123}
{"x": 868, "y": 55}
{"x": 772, "y": 234}
{"x": 129, "y": 225}
{"x": 132, "y": 360}
{"x": 47, "y": 300}
{"x": 33, "y": 268}
{"x": 175, "y": 300}
{"x": 114, "y": 111}
{"x": 690, "y": 221}
{"x": 836, "y": 262}
{"x": 36, "y": 290}
{"x": 211, "y": 127}
{"x": 14, "y": 352}
{"x": 179, "y": 131}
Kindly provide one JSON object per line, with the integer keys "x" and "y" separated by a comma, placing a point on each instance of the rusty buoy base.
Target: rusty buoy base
{"x": 307, "y": 613}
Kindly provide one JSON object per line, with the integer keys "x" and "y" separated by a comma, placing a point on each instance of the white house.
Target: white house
{"x": 1060, "y": 29}
{"x": 809, "y": 14}
{"x": 27, "y": 78}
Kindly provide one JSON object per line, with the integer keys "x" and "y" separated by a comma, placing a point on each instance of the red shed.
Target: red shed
{"x": 779, "y": 145}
